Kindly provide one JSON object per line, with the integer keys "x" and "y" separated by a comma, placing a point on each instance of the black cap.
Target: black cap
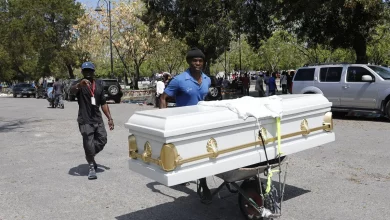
{"x": 195, "y": 53}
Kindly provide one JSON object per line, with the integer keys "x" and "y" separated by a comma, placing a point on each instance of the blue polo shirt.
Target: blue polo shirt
{"x": 186, "y": 90}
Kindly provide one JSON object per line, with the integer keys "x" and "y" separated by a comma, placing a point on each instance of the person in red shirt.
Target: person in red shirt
{"x": 246, "y": 84}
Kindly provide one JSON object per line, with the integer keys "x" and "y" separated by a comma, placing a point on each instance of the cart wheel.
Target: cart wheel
{"x": 251, "y": 188}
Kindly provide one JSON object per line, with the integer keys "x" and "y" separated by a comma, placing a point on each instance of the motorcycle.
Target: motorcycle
{"x": 55, "y": 101}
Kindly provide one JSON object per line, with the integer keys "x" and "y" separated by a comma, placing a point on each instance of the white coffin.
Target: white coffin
{"x": 176, "y": 145}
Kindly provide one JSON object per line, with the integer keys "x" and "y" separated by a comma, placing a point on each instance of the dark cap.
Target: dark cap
{"x": 195, "y": 53}
{"x": 88, "y": 65}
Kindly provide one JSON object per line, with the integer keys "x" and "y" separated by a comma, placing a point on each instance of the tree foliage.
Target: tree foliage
{"x": 35, "y": 37}
{"x": 336, "y": 23}
{"x": 204, "y": 24}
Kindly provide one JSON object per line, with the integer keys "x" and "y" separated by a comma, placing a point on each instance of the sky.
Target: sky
{"x": 93, "y": 3}
{"x": 89, "y": 3}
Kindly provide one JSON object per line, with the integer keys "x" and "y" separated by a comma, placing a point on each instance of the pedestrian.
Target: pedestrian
{"x": 289, "y": 81}
{"x": 266, "y": 82}
{"x": 45, "y": 83}
{"x": 272, "y": 85}
{"x": 225, "y": 83}
{"x": 260, "y": 86}
{"x": 283, "y": 82}
{"x": 160, "y": 86}
{"x": 90, "y": 96}
{"x": 239, "y": 83}
{"x": 189, "y": 88}
{"x": 57, "y": 91}
{"x": 246, "y": 84}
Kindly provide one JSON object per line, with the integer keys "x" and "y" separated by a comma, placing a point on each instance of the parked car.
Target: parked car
{"x": 350, "y": 87}
{"x": 112, "y": 90}
{"x": 23, "y": 89}
{"x": 215, "y": 90}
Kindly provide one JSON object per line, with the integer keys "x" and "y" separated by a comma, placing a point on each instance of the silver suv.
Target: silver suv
{"x": 350, "y": 87}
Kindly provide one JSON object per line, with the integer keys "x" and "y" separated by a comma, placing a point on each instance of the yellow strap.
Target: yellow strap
{"x": 269, "y": 180}
{"x": 279, "y": 136}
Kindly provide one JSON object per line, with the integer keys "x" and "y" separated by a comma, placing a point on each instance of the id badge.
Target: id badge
{"x": 93, "y": 101}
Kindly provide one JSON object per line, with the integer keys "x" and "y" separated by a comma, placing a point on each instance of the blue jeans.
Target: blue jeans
{"x": 59, "y": 99}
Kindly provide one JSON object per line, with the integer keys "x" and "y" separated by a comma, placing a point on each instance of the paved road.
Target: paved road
{"x": 43, "y": 173}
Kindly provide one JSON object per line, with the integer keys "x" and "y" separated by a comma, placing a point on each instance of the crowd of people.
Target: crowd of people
{"x": 265, "y": 82}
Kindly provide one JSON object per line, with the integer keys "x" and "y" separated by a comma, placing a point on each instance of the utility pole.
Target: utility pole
{"x": 239, "y": 45}
{"x": 98, "y": 8}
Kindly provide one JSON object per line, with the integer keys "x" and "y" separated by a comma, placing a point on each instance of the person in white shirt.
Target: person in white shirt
{"x": 160, "y": 86}
{"x": 283, "y": 82}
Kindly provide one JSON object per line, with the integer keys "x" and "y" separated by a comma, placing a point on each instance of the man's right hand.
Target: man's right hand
{"x": 84, "y": 82}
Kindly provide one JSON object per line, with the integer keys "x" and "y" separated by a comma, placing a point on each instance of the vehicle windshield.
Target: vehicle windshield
{"x": 382, "y": 71}
{"x": 23, "y": 85}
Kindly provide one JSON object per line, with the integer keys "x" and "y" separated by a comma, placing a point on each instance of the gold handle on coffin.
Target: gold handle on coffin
{"x": 133, "y": 149}
{"x": 169, "y": 158}
{"x": 146, "y": 156}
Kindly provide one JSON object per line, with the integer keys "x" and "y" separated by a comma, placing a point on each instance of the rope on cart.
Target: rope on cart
{"x": 279, "y": 151}
{"x": 269, "y": 180}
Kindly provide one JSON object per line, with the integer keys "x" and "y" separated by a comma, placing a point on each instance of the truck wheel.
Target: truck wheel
{"x": 387, "y": 109}
{"x": 14, "y": 95}
{"x": 113, "y": 90}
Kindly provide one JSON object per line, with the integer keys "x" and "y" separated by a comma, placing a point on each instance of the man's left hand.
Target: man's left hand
{"x": 111, "y": 124}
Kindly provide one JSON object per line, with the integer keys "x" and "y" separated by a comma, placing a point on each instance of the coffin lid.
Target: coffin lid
{"x": 183, "y": 120}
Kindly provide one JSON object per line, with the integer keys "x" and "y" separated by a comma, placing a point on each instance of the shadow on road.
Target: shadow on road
{"x": 9, "y": 126}
{"x": 83, "y": 169}
{"x": 190, "y": 207}
{"x": 344, "y": 116}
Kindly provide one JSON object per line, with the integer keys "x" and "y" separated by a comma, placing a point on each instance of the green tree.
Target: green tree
{"x": 204, "y": 24}
{"x": 337, "y": 23}
{"x": 170, "y": 56}
{"x": 35, "y": 35}
{"x": 133, "y": 37}
{"x": 378, "y": 50}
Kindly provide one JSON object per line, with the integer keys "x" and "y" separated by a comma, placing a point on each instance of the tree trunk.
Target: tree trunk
{"x": 136, "y": 77}
{"x": 206, "y": 67}
{"x": 70, "y": 71}
{"x": 360, "y": 47}
{"x": 126, "y": 79}
{"x": 170, "y": 68}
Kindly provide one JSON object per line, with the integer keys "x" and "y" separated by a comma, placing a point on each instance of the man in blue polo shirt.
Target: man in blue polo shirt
{"x": 188, "y": 88}
{"x": 191, "y": 86}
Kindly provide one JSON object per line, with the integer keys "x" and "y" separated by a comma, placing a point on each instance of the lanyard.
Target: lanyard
{"x": 93, "y": 89}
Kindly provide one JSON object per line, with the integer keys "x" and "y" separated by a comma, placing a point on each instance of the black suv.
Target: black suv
{"x": 215, "y": 91}
{"x": 112, "y": 89}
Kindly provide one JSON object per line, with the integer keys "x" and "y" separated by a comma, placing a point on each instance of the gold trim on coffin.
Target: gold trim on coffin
{"x": 169, "y": 158}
